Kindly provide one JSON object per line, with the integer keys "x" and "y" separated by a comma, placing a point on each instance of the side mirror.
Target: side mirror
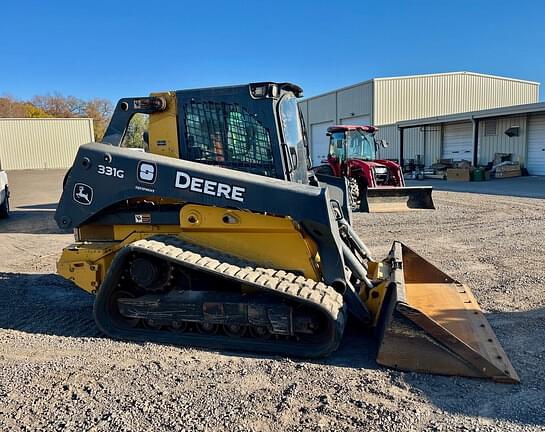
{"x": 382, "y": 143}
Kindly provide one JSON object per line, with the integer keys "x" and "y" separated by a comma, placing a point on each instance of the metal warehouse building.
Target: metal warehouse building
{"x": 477, "y": 136}
{"x": 384, "y": 102}
{"x": 30, "y": 143}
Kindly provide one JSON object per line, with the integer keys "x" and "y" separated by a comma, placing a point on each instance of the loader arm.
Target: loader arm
{"x": 125, "y": 109}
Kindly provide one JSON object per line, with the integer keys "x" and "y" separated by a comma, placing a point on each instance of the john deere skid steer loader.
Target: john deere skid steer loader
{"x": 215, "y": 238}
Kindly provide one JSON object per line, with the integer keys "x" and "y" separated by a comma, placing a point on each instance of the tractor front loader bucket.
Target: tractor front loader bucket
{"x": 395, "y": 199}
{"x": 431, "y": 323}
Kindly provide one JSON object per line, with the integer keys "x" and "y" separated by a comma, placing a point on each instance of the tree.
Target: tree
{"x": 135, "y": 132}
{"x": 10, "y": 107}
{"x": 35, "y": 112}
{"x": 100, "y": 110}
{"x": 13, "y": 108}
{"x": 57, "y": 105}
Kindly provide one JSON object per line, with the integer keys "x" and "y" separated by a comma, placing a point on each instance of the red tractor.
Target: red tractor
{"x": 376, "y": 185}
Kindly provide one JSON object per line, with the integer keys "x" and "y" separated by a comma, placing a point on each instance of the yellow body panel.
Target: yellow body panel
{"x": 163, "y": 128}
{"x": 272, "y": 242}
{"x": 86, "y": 262}
{"x": 85, "y": 265}
{"x": 373, "y": 299}
{"x": 269, "y": 241}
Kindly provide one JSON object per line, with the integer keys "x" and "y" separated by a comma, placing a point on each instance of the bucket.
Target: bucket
{"x": 432, "y": 323}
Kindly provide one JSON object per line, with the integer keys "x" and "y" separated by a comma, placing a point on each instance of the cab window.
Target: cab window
{"x": 336, "y": 145}
{"x": 227, "y": 135}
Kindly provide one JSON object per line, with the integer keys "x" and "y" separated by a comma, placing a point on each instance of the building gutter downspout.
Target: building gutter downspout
{"x": 475, "y": 141}
{"x": 401, "y": 161}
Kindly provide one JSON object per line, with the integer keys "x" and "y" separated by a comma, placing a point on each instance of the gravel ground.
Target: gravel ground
{"x": 58, "y": 373}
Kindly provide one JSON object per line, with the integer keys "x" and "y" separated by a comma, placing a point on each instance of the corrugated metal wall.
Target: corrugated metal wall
{"x": 303, "y": 106}
{"x": 413, "y": 144}
{"x": 390, "y": 100}
{"x": 501, "y": 143}
{"x": 355, "y": 101}
{"x": 322, "y": 109}
{"x": 390, "y": 134}
{"x": 432, "y": 143}
{"x": 42, "y": 143}
{"x": 424, "y": 141}
{"x": 406, "y": 98}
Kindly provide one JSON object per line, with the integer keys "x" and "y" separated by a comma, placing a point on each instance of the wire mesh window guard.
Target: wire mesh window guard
{"x": 227, "y": 135}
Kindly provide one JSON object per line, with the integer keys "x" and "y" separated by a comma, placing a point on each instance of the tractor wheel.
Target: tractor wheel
{"x": 354, "y": 190}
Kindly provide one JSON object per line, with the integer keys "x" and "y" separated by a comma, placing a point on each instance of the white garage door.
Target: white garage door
{"x": 319, "y": 142}
{"x": 358, "y": 120}
{"x": 536, "y": 145}
{"x": 458, "y": 141}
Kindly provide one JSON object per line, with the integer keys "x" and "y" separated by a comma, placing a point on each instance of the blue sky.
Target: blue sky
{"x": 114, "y": 48}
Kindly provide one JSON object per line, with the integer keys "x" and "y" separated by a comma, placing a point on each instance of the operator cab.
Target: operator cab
{"x": 352, "y": 142}
{"x": 256, "y": 128}
{"x": 353, "y": 153}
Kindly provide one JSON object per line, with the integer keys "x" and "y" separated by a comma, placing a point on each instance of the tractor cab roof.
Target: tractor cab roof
{"x": 346, "y": 128}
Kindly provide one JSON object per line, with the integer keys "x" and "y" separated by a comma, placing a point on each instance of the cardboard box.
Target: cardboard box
{"x": 501, "y": 157}
{"x": 464, "y": 164}
{"x": 508, "y": 166}
{"x": 506, "y": 171}
{"x": 510, "y": 173}
{"x": 458, "y": 174}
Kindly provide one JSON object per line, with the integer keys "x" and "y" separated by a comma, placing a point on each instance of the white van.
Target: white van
{"x": 4, "y": 195}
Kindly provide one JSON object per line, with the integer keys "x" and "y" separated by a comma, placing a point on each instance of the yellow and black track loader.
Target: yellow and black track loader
{"x": 217, "y": 238}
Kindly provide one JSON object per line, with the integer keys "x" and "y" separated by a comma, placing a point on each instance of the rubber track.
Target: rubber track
{"x": 279, "y": 282}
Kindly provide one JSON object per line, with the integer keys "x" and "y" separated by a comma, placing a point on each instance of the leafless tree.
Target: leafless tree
{"x": 57, "y": 105}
